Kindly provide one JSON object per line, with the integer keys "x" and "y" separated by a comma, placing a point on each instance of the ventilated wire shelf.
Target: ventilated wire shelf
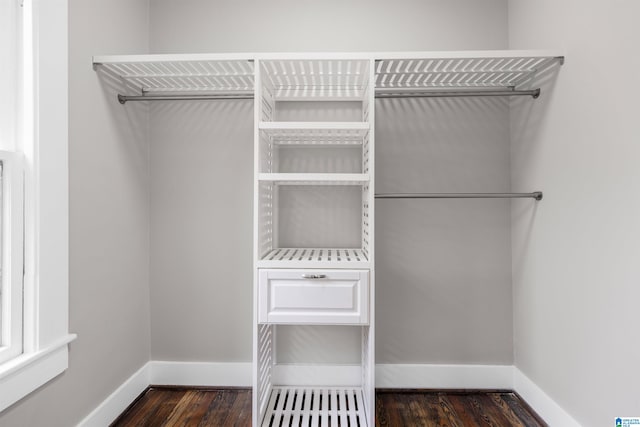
{"x": 460, "y": 73}
{"x": 310, "y": 133}
{"x": 176, "y": 76}
{"x": 316, "y": 255}
{"x": 315, "y": 178}
{"x": 316, "y": 79}
{"x": 232, "y": 76}
{"x": 316, "y": 407}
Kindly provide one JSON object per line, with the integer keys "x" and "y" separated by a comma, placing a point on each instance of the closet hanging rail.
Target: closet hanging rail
{"x": 534, "y": 195}
{"x": 122, "y": 99}
{"x": 380, "y": 93}
{"x": 413, "y": 93}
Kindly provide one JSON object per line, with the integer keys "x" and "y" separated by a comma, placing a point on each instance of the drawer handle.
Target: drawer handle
{"x": 314, "y": 276}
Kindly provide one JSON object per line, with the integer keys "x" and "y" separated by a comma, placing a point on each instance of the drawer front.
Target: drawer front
{"x": 313, "y": 296}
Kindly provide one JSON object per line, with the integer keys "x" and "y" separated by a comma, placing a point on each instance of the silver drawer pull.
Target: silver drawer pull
{"x": 314, "y": 276}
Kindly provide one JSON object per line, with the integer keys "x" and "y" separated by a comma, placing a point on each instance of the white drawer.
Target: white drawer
{"x": 313, "y": 296}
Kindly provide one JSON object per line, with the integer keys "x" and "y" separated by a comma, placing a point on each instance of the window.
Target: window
{"x": 34, "y": 231}
{"x": 11, "y": 249}
{"x": 11, "y": 185}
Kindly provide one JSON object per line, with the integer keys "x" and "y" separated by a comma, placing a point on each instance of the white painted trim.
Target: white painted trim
{"x": 44, "y": 143}
{"x": 317, "y": 375}
{"x": 387, "y": 376}
{"x": 25, "y": 373}
{"x": 119, "y": 400}
{"x": 544, "y": 405}
{"x": 444, "y": 376}
{"x": 200, "y": 374}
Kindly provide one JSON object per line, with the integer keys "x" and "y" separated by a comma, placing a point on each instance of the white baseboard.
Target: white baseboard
{"x": 546, "y": 407}
{"x": 444, "y": 376}
{"x": 387, "y": 376}
{"x": 317, "y": 375}
{"x": 119, "y": 400}
{"x": 201, "y": 374}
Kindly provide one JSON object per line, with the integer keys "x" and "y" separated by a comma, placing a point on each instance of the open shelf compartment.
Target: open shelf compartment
{"x": 322, "y": 85}
{"x": 316, "y": 79}
{"x": 314, "y": 225}
{"x": 315, "y": 149}
{"x": 289, "y": 395}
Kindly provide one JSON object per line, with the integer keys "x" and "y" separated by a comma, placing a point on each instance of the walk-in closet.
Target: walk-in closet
{"x": 354, "y": 213}
{"x": 314, "y": 195}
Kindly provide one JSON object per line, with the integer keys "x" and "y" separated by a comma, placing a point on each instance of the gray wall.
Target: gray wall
{"x": 443, "y": 268}
{"x": 201, "y": 230}
{"x": 109, "y": 245}
{"x": 576, "y": 269}
{"x": 332, "y": 25}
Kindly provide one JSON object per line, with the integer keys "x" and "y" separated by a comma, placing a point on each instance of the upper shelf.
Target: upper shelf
{"x": 160, "y": 74}
{"x": 493, "y": 72}
{"x": 337, "y": 75}
{"x": 317, "y": 79}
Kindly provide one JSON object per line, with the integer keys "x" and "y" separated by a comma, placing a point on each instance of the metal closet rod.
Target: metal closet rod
{"x": 380, "y": 93}
{"x": 534, "y": 195}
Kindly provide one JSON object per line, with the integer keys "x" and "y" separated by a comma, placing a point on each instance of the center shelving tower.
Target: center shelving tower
{"x": 313, "y": 233}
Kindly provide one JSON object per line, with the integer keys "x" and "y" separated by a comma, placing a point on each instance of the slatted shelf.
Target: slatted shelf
{"x": 345, "y": 128}
{"x": 325, "y": 79}
{"x": 315, "y": 133}
{"x": 316, "y": 407}
{"x": 180, "y": 74}
{"x": 315, "y": 258}
{"x": 315, "y": 178}
{"x": 317, "y": 80}
{"x": 489, "y": 72}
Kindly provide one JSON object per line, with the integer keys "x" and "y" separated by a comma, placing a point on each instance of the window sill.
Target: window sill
{"x": 25, "y": 373}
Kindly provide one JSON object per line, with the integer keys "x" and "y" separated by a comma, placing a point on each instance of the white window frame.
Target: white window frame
{"x": 12, "y": 259}
{"x": 44, "y": 143}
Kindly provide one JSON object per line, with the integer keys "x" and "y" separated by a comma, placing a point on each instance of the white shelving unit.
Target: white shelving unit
{"x": 308, "y": 198}
{"x": 314, "y": 191}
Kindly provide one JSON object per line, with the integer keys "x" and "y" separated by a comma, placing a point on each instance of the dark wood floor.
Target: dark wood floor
{"x": 171, "y": 406}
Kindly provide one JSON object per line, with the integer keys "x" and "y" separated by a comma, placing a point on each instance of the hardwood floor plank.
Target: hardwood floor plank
{"x": 493, "y": 411}
{"x": 155, "y": 408}
{"x": 523, "y": 414}
{"x": 219, "y": 411}
{"x": 190, "y": 411}
{"x": 466, "y": 415}
{"x": 201, "y": 407}
{"x": 425, "y": 409}
{"x": 483, "y": 410}
{"x": 240, "y": 413}
{"x": 506, "y": 410}
{"x": 449, "y": 411}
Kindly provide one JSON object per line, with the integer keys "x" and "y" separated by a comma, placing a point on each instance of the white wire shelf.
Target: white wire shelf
{"x": 456, "y": 72}
{"x": 315, "y": 258}
{"x": 359, "y": 128}
{"x": 315, "y": 406}
{"x": 164, "y": 75}
{"x": 315, "y": 133}
{"x": 324, "y": 78}
{"x": 315, "y": 178}
{"x": 316, "y": 79}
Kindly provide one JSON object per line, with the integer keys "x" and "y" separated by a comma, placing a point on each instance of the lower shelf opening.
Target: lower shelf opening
{"x": 315, "y": 407}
